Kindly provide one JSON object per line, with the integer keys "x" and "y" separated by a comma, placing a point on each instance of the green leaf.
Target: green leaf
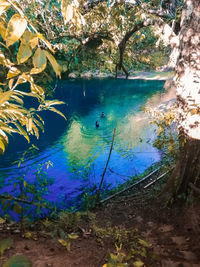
{"x": 24, "y": 53}
{"x": 39, "y": 61}
{"x": 18, "y": 261}
{"x": 5, "y": 244}
{"x": 144, "y": 243}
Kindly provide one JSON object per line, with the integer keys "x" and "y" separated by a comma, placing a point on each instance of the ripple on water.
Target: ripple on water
{"x": 78, "y": 149}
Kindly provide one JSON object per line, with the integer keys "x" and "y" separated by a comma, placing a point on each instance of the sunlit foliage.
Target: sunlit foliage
{"x": 24, "y": 53}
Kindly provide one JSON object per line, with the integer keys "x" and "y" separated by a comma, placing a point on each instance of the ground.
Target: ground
{"x": 173, "y": 234}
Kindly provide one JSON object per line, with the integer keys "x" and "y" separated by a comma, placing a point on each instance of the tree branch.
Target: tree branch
{"x": 122, "y": 45}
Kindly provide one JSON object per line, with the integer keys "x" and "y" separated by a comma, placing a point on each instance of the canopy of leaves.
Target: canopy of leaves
{"x": 83, "y": 35}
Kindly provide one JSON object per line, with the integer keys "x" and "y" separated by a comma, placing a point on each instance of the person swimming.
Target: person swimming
{"x": 103, "y": 115}
{"x": 97, "y": 124}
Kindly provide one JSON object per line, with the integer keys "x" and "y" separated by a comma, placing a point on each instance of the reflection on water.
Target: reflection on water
{"x": 78, "y": 149}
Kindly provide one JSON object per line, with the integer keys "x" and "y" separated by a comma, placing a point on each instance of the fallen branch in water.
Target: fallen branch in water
{"x": 130, "y": 187}
{"x": 24, "y": 201}
{"x": 17, "y": 199}
{"x": 99, "y": 190}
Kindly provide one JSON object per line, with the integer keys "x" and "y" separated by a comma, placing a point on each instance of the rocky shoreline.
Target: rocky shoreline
{"x": 144, "y": 75}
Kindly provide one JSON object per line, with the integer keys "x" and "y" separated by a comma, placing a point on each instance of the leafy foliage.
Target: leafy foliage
{"x": 167, "y": 139}
{"x": 18, "y": 261}
{"x": 14, "y": 116}
{"x": 130, "y": 247}
{"x": 5, "y": 244}
{"x": 90, "y": 36}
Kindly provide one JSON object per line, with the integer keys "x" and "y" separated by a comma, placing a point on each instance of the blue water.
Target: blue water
{"x": 79, "y": 150}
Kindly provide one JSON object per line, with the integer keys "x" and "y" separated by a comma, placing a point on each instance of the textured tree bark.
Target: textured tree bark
{"x": 187, "y": 82}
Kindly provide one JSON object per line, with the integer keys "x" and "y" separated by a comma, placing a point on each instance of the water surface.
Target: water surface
{"x": 79, "y": 150}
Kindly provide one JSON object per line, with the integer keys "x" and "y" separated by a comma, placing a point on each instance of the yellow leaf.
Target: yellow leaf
{"x": 10, "y": 83}
{"x": 13, "y": 72}
{"x": 5, "y": 61}
{"x": 73, "y": 236}
{"x": 24, "y": 78}
{"x": 37, "y": 89}
{"x": 4, "y": 5}
{"x": 2, "y": 147}
{"x": 5, "y": 97}
{"x": 39, "y": 61}
{"x": 24, "y": 53}
{"x": 35, "y": 130}
{"x": 193, "y": 111}
{"x": 2, "y": 30}
{"x": 2, "y": 220}
{"x": 30, "y": 39}
{"x": 58, "y": 112}
{"x": 28, "y": 234}
{"x": 22, "y": 131}
{"x": 33, "y": 42}
{"x": 16, "y": 27}
{"x": 29, "y": 124}
{"x": 54, "y": 63}
{"x": 27, "y": 36}
{"x": 65, "y": 243}
{"x": 62, "y": 242}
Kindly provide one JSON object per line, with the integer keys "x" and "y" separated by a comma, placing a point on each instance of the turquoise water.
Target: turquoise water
{"x": 79, "y": 150}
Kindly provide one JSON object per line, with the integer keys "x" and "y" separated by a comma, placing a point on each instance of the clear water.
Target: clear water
{"x": 79, "y": 150}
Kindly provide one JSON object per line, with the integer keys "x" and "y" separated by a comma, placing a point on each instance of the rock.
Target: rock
{"x": 87, "y": 74}
{"x": 73, "y": 75}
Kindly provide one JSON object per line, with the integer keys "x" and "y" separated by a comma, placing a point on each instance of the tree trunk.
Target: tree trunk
{"x": 187, "y": 82}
